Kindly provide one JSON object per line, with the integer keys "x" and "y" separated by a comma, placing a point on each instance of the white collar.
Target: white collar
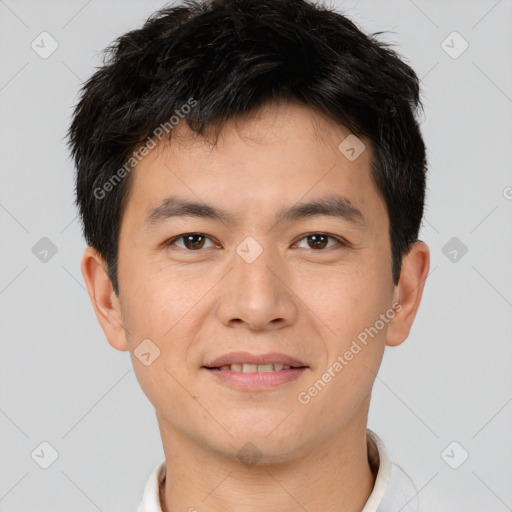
{"x": 393, "y": 489}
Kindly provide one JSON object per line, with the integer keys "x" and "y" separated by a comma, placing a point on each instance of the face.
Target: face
{"x": 256, "y": 298}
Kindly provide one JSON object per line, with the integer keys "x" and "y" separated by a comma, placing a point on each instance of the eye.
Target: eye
{"x": 320, "y": 240}
{"x": 191, "y": 241}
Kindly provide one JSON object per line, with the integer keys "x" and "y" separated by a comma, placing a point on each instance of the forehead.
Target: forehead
{"x": 280, "y": 155}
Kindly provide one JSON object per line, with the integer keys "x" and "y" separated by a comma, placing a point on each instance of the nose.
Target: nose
{"x": 257, "y": 295}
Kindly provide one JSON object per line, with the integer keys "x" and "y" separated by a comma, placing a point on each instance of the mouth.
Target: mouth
{"x": 253, "y": 368}
{"x": 250, "y": 372}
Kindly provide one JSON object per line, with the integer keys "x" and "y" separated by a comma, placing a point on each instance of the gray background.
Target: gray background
{"x": 451, "y": 381}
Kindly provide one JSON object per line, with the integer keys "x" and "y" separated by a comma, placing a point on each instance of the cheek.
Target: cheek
{"x": 352, "y": 299}
{"x": 354, "y": 341}
{"x": 161, "y": 310}
{"x": 352, "y": 309}
{"x": 158, "y": 303}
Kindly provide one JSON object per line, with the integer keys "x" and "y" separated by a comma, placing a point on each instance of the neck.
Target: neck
{"x": 334, "y": 474}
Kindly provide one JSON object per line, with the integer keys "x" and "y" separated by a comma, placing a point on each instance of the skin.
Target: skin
{"x": 296, "y": 299}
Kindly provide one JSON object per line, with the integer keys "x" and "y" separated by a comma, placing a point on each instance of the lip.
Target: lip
{"x": 255, "y": 381}
{"x": 246, "y": 357}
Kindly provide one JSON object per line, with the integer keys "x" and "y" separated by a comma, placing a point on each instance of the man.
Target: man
{"x": 251, "y": 180}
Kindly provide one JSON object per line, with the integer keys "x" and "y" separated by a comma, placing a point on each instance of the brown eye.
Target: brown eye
{"x": 317, "y": 241}
{"x": 191, "y": 241}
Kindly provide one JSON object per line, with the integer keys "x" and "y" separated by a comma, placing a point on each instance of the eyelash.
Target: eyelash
{"x": 341, "y": 242}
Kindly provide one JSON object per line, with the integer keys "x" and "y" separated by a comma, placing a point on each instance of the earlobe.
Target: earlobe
{"x": 104, "y": 301}
{"x": 408, "y": 292}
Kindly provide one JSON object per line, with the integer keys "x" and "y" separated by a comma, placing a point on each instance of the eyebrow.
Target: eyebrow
{"x": 333, "y": 206}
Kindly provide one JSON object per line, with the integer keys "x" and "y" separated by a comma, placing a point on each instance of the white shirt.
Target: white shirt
{"x": 393, "y": 490}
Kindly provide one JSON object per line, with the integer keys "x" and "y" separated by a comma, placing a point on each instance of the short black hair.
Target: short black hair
{"x": 229, "y": 58}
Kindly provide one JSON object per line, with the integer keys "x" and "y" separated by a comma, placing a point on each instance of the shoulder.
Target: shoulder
{"x": 151, "y": 497}
{"x": 393, "y": 489}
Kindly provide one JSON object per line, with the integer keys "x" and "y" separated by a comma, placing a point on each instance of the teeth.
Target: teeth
{"x": 255, "y": 368}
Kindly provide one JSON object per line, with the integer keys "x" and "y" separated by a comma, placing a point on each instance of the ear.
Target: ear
{"x": 408, "y": 292}
{"x": 104, "y": 301}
